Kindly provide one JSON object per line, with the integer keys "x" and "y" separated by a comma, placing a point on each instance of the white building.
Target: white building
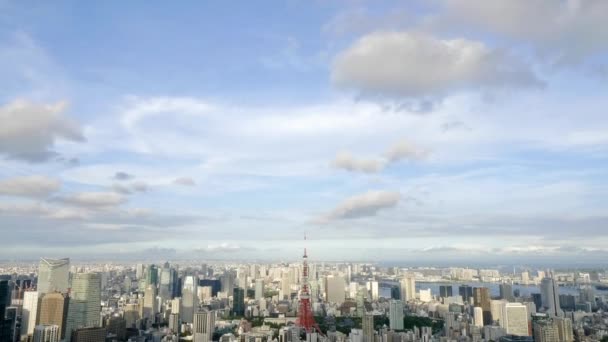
{"x": 28, "y": 313}
{"x": 204, "y": 326}
{"x": 46, "y": 333}
{"x": 515, "y": 317}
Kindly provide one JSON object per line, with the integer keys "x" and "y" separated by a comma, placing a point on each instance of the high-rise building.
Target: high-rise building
{"x": 564, "y": 329}
{"x": 152, "y": 276}
{"x": 189, "y": 299}
{"x": 175, "y": 323}
{"x": 259, "y": 289}
{"x": 550, "y": 297}
{"x": 445, "y": 291}
{"x": 227, "y": 281}
{"x": 481, "y": 296}
{"x": 150, "y": 305}
{"x": 515, "y": 317}
{"x": 131, "y": 314}
{"x": 46, "y": 333}
{"x": 478, "y": 316}
{"x": 204, "y": 326}
{"x": 374, "y": 289}
{"x": 53, "y": 275}
{"x": 238, "y": 302}
{"x": 466, "y": 292}
{"x": 53, "y": 311}
{"x": 85, "y": 303}
{"x": 408, "y": 287}
{"x": 396, "y": 314}
{"x": 545, "y": 331}
{"x": 506, "y": 292}
{"x": 92, "y": 334}
{"x": 29, "y": 313}
{"x": 117, "y": 326}
{"x": 368, "y": 328}
{"x": 334, "y": 288}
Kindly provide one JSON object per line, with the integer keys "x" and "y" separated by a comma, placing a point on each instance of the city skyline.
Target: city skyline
{"x": 416, "y": 133}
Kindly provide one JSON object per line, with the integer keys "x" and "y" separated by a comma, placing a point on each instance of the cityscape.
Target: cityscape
{"x": 304, "y": 170}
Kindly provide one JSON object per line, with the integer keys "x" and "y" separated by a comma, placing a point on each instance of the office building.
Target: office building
{"x": 259, "y": 289}
{"x": 408, "y": 287}
{"x": 152, "y": 276}
{"x": 204, "y": 326}
{"x": 445, "y": 291}
{"x": 334, "y": 289}
{"x": 85, "y": 303}
{"x": 550, "y": 297}
{"x": 506, "y": 292}
{"x": 466, "y": 292}
{"x": 150, "y": 304}
{"x": 515, "y": 318}
{"x": 481, "y": 298}
{"x": 396, "y": 314}
{"x": 53, "y": 275}
{"x": 368, "y": 328}
{"x": 564, "y": 329}
{"x": 545, "y": 331}
{"x": 46, "y": 333}
{"x": 189, "y": 299}
{"x": 29, "y": 313}
{"x": 478, "y": 316}
{"x": 92, "y": 334}
{"x": 116, "y": 326}
{"x": 53, "y": 311}
{"x": 238, "y": 302}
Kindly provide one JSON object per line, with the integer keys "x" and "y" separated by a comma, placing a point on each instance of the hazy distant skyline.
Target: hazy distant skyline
{"x": 444, "y": 129}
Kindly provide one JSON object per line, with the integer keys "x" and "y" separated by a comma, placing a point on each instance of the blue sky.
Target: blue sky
{"x": 386, "y": 131}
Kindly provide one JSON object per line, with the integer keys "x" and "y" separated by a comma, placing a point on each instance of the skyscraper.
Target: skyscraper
{"x": 150, "y": 306}
{"x": 29, "y": 313}
{"x": 204, "y": 326}
{"x": 466, "y": 292}
{"x": 396, "y": 314}
{"x": 334, "y": 288}
{"x": 238, "y": 302}
{"x": 564, "y": 329}
{"x": 478, "y": 316}
{"x": 545, "y": 331}
{"x": 481, "y": 296}
{"x": 408, "y": 287}
{"x": 515, "y": 317}
{"x": 445, "y": 291}
{"x": 53, "y": 275}
{"x": 259, "y": 289}
{"x": 368, "y": 328}
{"x": 189, "y": 299}
{"x": 46, "y": 333}
{"x": 550, "y": 297}
{"x": 85, "y": 303}
{"x": 53, "y": 311}
{"x": 506, "y": 292}
{"x": 152, "y": 276}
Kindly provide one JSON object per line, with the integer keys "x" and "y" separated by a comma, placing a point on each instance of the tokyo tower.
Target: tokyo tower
{"x": 305, "y": 319}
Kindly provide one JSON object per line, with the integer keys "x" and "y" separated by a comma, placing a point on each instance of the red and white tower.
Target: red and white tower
{"x": 305, "y": 319}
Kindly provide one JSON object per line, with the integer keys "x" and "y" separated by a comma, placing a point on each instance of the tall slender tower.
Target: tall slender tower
{"x": 305, "y": 320}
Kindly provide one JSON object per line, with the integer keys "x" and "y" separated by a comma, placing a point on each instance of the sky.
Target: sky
{"x": 409, "y": 131}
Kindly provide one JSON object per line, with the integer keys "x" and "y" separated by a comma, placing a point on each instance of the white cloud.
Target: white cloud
{"x": 29, "y": 131}
{"x": 94, "y": 199}
{"x": 566, "y": 32}
{"x": 29, "y": 186}
{"x": 411, "y": 65}
{"x": 347, "y": 161}
{"x": 363, "y": 205}
{"x": 405, "y": 150}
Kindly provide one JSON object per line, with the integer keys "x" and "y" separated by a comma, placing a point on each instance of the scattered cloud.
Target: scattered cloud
{"x": 94, "y": 199}
{"x": 29, "y": 131}
{"x": 363, "y": 205}
{"x": 122, "y": 176}
{"x": 185, "y": 181}
{"x": 29, "y": 186}
{"x": 129, "y": 189}
{"x": 405, "y": 150}
{"x": 346, "y": 161}
{"x": 402, "y": 150}
{"x": 413, "y": 65}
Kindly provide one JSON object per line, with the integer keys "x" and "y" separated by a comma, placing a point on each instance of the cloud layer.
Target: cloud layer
{"x": 363, "y": 205}
{"x": 29, "y": 186}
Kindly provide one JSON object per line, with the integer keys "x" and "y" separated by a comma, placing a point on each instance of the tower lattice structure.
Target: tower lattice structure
{"x": 306, "y": 319}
